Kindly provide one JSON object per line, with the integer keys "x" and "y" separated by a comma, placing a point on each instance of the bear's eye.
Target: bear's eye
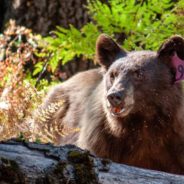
{"x": 113, "y": 75}
{"x": 138, "y": 74}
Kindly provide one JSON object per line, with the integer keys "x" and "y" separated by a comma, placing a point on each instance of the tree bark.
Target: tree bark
{"x": 44, "y": 15}
{"x": 25, "y": 163}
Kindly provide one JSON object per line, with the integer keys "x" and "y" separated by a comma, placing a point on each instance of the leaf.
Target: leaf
{"x": 38, "y": 68}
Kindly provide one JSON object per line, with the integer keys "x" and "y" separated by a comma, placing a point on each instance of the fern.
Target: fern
{"x": 47, "y": 129}
{"x": 138, "y": 21}
{"x": 144, "y": 23}
{"x": 71, "y": 43}
{"x": 179, "y": 10}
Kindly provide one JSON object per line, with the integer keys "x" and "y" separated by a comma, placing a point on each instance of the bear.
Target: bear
{"x": 130, "y": 109}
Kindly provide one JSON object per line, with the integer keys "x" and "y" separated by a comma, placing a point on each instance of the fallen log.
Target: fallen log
{"x": 25, "y": 162}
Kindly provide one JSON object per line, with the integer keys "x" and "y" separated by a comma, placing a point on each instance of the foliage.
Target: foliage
{"x": 48, "y": 130}
{"x": 18, "y": 98}
{"x": 18, "y": 45}
{"x": 179, "y": 10}
{"x": 70, "y": 43}
{"x": 18, "y": 95}
{"x": 142, "y": 24}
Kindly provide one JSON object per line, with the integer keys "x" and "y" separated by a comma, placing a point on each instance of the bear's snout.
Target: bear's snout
{"x": 120, "y": 101}
{"x": 116, "y": 98}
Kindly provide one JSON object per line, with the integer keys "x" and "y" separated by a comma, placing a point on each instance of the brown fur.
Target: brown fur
{"x": 152, "y": 134}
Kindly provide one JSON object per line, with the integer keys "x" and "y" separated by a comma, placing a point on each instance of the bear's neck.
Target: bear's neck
{"x": 152, "y": 121}
{"x": 142, "y": 142}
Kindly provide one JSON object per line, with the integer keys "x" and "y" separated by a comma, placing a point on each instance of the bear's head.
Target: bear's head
{"x": 140, "y": 80}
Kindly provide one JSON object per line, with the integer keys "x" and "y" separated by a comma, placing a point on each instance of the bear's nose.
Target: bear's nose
{"x": 115, "y": 98}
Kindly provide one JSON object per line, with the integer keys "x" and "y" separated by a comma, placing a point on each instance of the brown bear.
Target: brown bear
{"x": 131, "y": 109}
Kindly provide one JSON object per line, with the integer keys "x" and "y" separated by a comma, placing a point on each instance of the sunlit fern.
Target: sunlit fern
{"x": 48, "y": 130}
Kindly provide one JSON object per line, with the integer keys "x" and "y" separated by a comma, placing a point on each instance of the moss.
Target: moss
{"x": 59, "y": 168}
{"x": 105, "y": 165}
{"x": 9, "y": 163}
{"x": 78, "y": 168}
{"x": 83, "y": 163}
{"x": 78, "y": 156}
{"x": 10, "y": 171}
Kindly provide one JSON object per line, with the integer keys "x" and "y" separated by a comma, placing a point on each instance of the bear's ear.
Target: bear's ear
{"x": 107, "y": 51}
{"x": 171, "y": 53}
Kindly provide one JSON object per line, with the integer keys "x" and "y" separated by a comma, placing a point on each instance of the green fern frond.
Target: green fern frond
{"x": 144, "y": 24}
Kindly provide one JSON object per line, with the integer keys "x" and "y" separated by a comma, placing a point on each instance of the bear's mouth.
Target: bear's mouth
{"x": 121, "y": 110}
{"x": 117, "y": 110}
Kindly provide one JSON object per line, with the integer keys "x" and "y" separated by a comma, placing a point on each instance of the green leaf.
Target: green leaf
{"x": 37, "y": 68}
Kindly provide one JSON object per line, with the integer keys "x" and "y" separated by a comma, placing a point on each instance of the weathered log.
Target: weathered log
{"x": 23, "y": 162}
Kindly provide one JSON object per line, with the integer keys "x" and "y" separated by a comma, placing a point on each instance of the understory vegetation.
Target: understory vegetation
{"x": 30, "y": 63}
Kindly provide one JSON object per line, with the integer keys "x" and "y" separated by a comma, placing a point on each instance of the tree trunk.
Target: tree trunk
{"x": 44, "y": 15}
{"x": 31, "y": 163}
